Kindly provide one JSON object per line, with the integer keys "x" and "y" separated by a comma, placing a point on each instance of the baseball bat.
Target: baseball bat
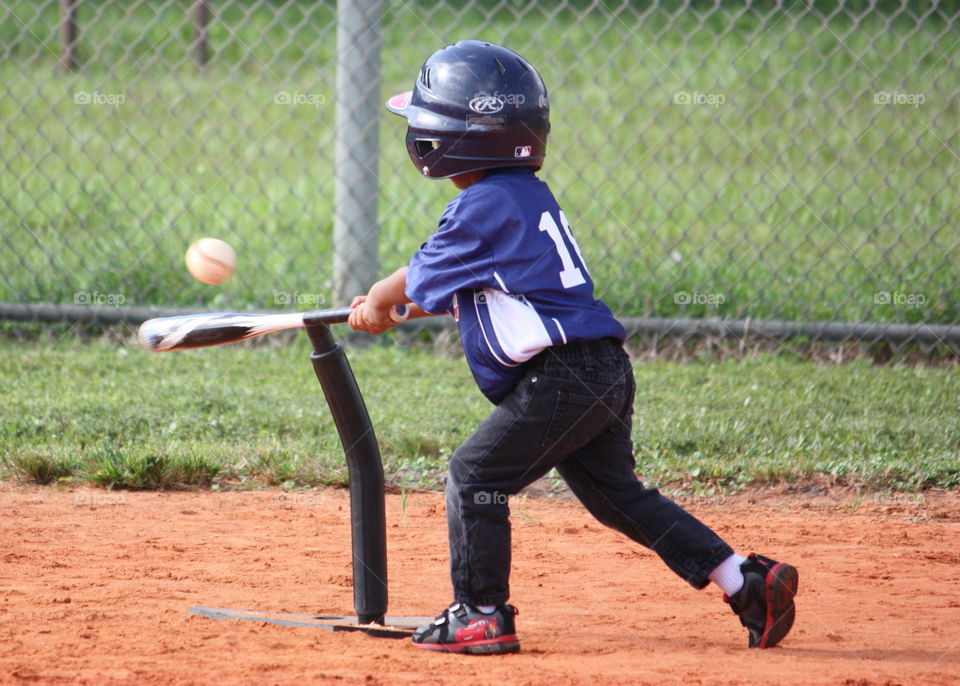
{"x": 189, "y": 331}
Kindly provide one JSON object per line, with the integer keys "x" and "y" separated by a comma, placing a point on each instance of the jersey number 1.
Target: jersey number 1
{"x": 570, "y": 275}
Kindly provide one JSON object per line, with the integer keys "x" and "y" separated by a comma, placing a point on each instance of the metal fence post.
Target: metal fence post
{"x": 201, "y": 19}
{"x": 356, "y": 226}
{"x": 68, "y": 35}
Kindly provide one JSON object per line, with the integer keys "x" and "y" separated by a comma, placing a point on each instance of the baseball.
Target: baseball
{"x": 211, "y": 260}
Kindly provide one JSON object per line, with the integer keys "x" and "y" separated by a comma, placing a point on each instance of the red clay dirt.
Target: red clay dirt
{"x": 95, "y": 587}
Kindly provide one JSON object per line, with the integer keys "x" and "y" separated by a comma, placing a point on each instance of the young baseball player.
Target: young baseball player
{"x": 504, "y": 262}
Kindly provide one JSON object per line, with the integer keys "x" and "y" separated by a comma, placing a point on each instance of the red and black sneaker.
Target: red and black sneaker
{"x": 464, "y": 629}
{"x": 765, "y": 603}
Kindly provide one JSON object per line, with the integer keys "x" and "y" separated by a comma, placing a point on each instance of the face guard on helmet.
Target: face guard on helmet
{"x": 475, "y": 106}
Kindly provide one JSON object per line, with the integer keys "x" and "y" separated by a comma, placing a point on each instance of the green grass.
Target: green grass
{"x": 247, "y": 417}
{"x": 798, "y": 198}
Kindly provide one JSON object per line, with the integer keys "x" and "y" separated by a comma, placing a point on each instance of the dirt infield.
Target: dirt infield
{"x": 95, "y": 586}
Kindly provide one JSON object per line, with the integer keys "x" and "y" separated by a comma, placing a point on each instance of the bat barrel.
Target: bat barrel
{"x": 217, "y": 328}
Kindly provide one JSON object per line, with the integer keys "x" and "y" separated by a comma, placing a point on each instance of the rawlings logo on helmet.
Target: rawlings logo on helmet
{"x": 485, "y": 103}
{"x": 491, "y": 103}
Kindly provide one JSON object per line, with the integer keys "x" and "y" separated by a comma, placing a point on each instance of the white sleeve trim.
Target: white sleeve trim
{"x": 563, "y": 334}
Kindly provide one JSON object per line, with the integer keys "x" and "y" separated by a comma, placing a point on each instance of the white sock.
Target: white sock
{"x": 727, "y": 575}
{"x": 486, "y": 609}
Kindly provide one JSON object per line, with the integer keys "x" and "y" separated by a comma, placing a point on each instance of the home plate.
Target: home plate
{"x": 394, "y": 627}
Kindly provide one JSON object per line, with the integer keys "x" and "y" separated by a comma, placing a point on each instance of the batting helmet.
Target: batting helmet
{"x": 475, "y": 106}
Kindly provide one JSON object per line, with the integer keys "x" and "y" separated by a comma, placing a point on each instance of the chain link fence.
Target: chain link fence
{"x": 778, "y": 168}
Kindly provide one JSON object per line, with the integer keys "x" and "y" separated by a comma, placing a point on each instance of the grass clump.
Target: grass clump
{"x": 112, "y": 467}
{"x": 38, "y": 467}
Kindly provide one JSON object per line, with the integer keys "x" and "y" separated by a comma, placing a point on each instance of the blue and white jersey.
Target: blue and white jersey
{"x": 504, "y": 262}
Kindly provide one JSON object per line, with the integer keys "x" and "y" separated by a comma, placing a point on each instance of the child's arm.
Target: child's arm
{"x": 371, "y": 312}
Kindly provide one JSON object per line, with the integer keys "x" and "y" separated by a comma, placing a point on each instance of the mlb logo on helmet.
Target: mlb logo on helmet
{"x": 523, "y": 151}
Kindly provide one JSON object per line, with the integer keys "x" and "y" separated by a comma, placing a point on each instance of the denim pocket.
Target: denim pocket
{"x": 576, "y": 420}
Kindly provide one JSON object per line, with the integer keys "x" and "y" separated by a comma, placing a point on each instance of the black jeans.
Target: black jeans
{"x": 572, "y": 410}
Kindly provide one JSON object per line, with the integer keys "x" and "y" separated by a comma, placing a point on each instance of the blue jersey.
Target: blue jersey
{"x": 504, "y": 262}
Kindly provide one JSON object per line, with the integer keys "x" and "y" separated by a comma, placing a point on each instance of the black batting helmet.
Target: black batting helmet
{"x": 475, "y": 105}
